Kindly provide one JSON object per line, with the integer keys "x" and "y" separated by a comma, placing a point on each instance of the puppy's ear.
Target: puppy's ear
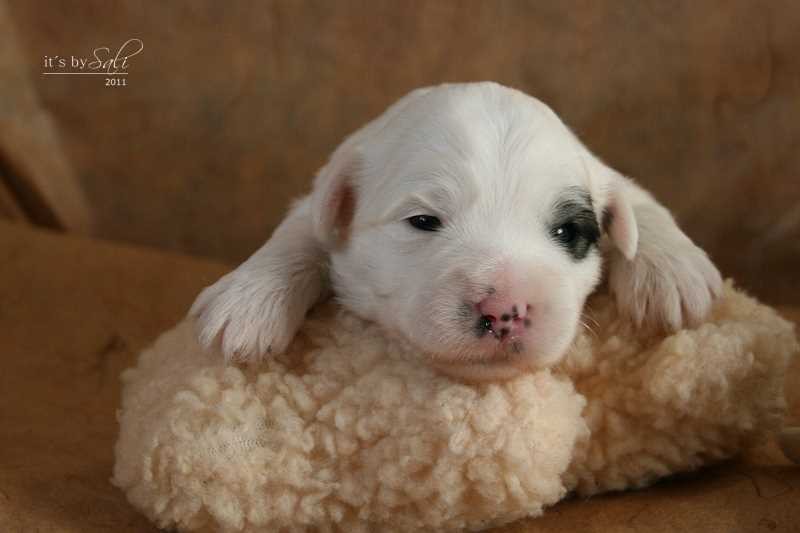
{"x": 619, "y": 220}
{"x": 335, "y": 196}
{"x": 333, "y": 199}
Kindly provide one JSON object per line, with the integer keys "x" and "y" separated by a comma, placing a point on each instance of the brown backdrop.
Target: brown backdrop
{"x": 232, "y": 106}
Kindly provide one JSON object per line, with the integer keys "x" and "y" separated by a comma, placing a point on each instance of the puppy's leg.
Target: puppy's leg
{"x": 258, "y": 308}
{"x": 669, "y": 282}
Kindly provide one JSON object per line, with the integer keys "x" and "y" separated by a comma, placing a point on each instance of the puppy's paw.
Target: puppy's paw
{"x": 247, "y": 316}
{"x": 670, "y": 283}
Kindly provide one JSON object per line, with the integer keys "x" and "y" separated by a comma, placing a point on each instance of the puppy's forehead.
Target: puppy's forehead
{"x": 474, "y": 141}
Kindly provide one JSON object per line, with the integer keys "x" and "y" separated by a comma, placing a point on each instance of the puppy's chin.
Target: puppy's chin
{"x": 466, "y": 355}
{"x": 500, "y": 362}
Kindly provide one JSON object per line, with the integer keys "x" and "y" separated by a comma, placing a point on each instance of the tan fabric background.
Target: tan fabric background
{"x": 232, "y": 106}
{"x": 37, "y": 181}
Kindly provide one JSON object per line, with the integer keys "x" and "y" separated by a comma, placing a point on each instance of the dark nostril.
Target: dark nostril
{"x": 505, "y": 318}
{"x": 484, "y": 326}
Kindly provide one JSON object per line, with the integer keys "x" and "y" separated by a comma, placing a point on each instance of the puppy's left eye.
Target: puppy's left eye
{"x": 425, "y": 222}
{"x": 566, "y": 233}
{"x": 577, "y": 236}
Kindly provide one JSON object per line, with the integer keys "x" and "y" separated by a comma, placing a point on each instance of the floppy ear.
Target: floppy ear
{"x": 619, "y": 220}
{"x": 333, "y": 198}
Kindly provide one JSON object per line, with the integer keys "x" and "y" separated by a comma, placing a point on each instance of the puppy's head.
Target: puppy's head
{"x": 466, "y": 219}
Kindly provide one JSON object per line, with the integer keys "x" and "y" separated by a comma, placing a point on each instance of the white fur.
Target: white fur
{"x": 490, "y": 162}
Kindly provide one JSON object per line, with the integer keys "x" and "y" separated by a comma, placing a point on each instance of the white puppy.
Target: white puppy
{"x": 469, "y": 220}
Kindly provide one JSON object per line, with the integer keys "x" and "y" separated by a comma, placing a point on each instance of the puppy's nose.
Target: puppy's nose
{"x": 503, "y": 316}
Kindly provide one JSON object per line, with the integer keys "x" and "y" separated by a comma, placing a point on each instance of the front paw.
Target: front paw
{"x": 670, "y": 283}
{"x": 246, "y": 316}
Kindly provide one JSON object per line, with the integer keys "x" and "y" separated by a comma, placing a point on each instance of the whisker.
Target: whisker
{"x": 589, "y": 328}
{"x": 590, "y": 317}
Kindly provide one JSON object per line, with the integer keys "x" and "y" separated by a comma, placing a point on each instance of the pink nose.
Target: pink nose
{"x": 503, "y": 316}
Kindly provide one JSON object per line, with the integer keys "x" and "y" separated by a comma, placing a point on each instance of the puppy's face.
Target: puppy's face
{"x": 467, "y": 219}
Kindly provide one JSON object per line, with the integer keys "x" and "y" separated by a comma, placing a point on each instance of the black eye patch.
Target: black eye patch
{"x": 574, "y": 225}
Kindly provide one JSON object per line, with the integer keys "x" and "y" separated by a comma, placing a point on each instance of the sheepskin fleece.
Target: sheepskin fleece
{"x": 350, "y": 431}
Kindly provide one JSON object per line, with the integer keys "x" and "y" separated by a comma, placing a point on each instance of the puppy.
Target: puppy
{"x": 470, "y": 221}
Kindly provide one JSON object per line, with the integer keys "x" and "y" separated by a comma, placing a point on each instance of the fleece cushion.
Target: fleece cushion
{"x": 351, "y": 431}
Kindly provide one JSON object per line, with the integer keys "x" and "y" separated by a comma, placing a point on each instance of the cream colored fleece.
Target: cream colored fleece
{"x": 351, "y": 432}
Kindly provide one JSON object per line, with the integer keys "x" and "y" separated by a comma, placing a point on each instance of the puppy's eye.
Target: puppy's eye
{"x": 425, "y": 222}
{"x": 577, "y": 236}
{"x": 566, "y": 233}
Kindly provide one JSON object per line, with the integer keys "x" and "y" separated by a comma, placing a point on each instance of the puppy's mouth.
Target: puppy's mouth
{"x": 490, "y": 345}
{"x": 504, "y": 359}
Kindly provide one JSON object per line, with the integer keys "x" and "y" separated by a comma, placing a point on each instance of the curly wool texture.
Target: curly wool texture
{"x": 351, "y": 432}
